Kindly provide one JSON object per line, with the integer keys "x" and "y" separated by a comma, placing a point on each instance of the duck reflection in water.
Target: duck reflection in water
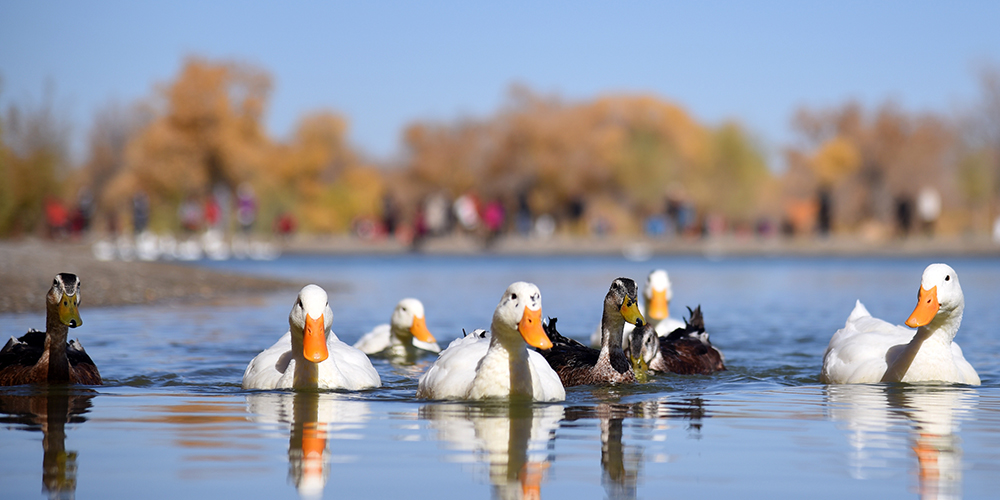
{"x": 313, "y": 419}
{"x": 933, "y": 415}
{"x": 49, "y": 409}
{"x": 515, "y": 437}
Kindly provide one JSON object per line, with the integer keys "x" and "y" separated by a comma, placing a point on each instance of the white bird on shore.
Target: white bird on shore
{"x": 498, "y": 364}
{"x": 870, "y": 350}
{"x": 310, "y": 356}
{"x": 405, "y": 337}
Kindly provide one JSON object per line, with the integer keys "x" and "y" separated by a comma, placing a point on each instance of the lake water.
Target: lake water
{"x": 172, "y": 421}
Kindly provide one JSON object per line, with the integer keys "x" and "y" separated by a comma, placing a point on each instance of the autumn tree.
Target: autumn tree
{"x": 34, "y": 163}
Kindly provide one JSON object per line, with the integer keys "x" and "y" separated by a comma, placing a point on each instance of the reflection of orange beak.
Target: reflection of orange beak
{"x": 314, "y": 340}
{"x": 658, "y": 305}
{"x": 420, "y": 331}
{"x": 927, "y": 308}
{"x": 531, "y": 329}
{"x": 313, "y": 446}
{"x": 531, "y": 479}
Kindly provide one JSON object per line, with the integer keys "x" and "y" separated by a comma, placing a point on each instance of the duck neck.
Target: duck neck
{"x": 306, "y": 372}
{"x": 401, "y": 341}
{"x": 612, "y": 326}
{"x": 936, "y": 336}
{"x": 55, "y": 347}
{"x": 509, "y": 345}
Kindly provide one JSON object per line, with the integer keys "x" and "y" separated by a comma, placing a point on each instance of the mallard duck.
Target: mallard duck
{"x": 655, "y": 309}
{"x": 869, "y": 350}
{"x": 498, "y": 364}
{"x": 309, "y": 355}
{"x": 45, "y": 357}
{"x": 405, "y": 337}
{"x": 686, "y": 350}
{"x": 578, "y": 364}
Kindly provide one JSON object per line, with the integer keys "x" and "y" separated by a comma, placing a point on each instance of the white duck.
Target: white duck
{"x": 655, "y": 308}
{"x": 498, "y": 364}
{"x": 310, "y": 356}
{"x": 406, "y": 336}
{"x": 870, "y": 350}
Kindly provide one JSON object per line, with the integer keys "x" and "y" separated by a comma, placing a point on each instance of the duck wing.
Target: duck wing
{"x": 19, "y": 356}
{"x": 688, "y": 351}
{"x": 81, "y": 365}
{"x": 573, "y": 361}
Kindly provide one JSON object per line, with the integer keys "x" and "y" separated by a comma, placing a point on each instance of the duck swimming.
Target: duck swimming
{"x": 686, "y": 351}
{"x": 309, "y": 355}
{"x": 498, "y": 363}
{"x": 870, "y": 350}
{"x": 46, "y": 357}
{"x": 654, "y": 307}
{"x": 406, "y": 337}
{"x": 578, "y": 364}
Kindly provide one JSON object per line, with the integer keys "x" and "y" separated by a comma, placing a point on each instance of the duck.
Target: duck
{"x": 497, "y": 364}
{"x": 405, "y": 337}
{"x": 46, "y": 357}
{"x": 578, "y": 364}
{"x": 685, "y": 351}
{"x": 655, "y": 309}
{"x": 870, "y": 350}
{"x": 309, "y": 355}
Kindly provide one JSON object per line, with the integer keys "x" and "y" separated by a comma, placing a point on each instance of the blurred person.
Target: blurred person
{"x": 436, "y": 214}
{"x": 390, "y": 214}
{"x": 824, "y": 216}
{"x": 246, "y": 207}
{"x": 466, "y": 212}
{"x": 928, "y": 209}
{"x": 494, "y": 217}
{"x": 56, "y": 217}
{"x": 904, "y": 214}
{"x": 140, "y": 212}
{"x": 190, "y": 215}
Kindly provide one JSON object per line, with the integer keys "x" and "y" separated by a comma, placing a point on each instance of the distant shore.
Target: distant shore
{"x": 27, "y": 266}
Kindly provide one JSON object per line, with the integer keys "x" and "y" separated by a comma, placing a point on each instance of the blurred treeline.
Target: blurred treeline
{"x": 614, "y": 164}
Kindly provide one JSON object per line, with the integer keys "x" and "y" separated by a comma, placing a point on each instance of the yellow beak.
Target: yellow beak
{"x": 314, "y": 340}
{"x": 630, "y": 311}
{"x": 531, "y": 330}
{"x": 927, "y": 308}
{"x": 659, "y": 307}
{"x": 420, "y": 331}
{"x": 69, "y": 314}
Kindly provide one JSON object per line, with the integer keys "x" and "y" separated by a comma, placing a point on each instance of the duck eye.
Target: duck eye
{"x": 513, "y": 296}
{"x": 947, "y": 277}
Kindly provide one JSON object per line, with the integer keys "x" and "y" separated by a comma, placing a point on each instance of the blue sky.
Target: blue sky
{"x": 386, "y": 64}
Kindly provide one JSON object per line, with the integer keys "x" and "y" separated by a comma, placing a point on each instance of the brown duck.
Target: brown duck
{"x": 578, "y": 364}
{"x": 686, "y": 350}
{"x": 46, "y": 357}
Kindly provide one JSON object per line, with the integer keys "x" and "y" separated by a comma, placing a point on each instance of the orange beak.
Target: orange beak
{"x": 531, "y": 329}
{"x": 658, "y": 305}
{"x": 927, "y": 308}
{"x": 314, "y": 340}
{"x": 420, "y": 331}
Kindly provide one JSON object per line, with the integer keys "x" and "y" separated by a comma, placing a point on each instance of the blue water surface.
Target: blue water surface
{"x": 172, "y": 421}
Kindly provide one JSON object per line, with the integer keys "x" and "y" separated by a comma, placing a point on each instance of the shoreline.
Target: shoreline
{"x": 28, "y": 265}
{"x": 27, "y": 268}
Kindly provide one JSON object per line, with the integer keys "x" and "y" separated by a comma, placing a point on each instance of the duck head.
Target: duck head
{"x": 520, "y": 310}
{"x": 310, "y": 320}
{"x": 64, "y": 299}
{"x": 657, "y": 294}
{"x": 408, "y": 319}
{"x": 622, "y": 298}
{"x": 939, "y": 298}
{"x": 642, "y": 349}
